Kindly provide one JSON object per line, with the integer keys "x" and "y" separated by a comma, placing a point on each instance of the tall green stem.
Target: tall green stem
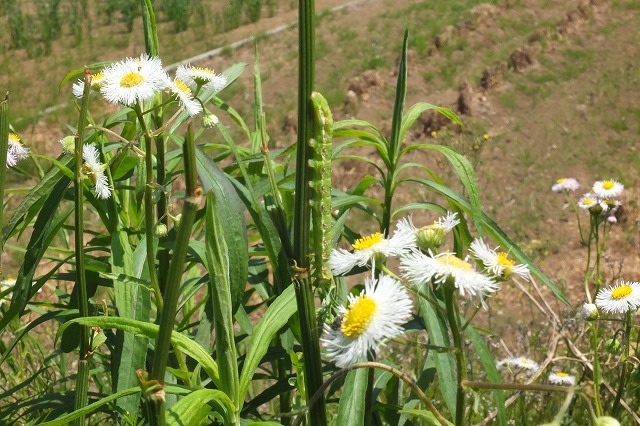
{"x": 623, "y": 371}
{"x": 597, "y": 372}
{"x": 4, "y": 146}
{"x": 453, "y": 317}
{"x": 82, "y": 380}
{"x": 172, "y": 290}
{"x": 301, "y": 219}
{"x": 149, "y": 219}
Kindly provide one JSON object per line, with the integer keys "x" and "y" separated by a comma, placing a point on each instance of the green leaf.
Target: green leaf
{"x": 44, "y": 231}
{"x": 424, "y": 415}
{"x": 439, "y": 336}
{"x": 489, "y": 365}
{"x": 231, "y": 210}
{"x": 194, "y": 408}
{"x": 132, "y": 302}
{"x": 180, "y": 341}
{"x": 352, "y": 401}
{"x": 276, "y": 316}
{"x": 398, "y": 107}
{"x": 32, "y": 203}
{"x": 64, "y": 420}
{"x": 220, "y": 293}
{"x": 417, "y": 109}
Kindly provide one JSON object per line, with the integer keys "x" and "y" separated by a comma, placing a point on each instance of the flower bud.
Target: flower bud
{"x": 209, "y": 120}
{"x": 161, "y": 230}
{"x": 589, "y": 312}
{"x": 430, "y": 237}
{"x": 68, "y": 144}
{"x": 612, "y": 346}
{"x": 606, "y": 421}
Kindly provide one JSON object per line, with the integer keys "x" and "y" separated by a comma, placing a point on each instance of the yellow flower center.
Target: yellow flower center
{"x": 621, "y": 292}
{"x": 524, "y": 361}
{"x": 368, "y": 241}
{"x": 358, "y": 316}
{"x": 561, "y": 180}
{"x": 14, "y": 138}
{"x": 89, "y": 173}
{"x": 587, "y": 201}
{"x": 561, "y": 374}
{"x": 504, "y": 261}
{"x": 203, "y": 70}
{"x": 608, "y": 184}
{"x": 131, "y": 79}
{"x": 182, "y": 87}
{"x": 454, "y": 262}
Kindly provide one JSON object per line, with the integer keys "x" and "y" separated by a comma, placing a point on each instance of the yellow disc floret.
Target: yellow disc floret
{"x": 455, "y": 262}
{"x": 131, "y": 79}
{"x": 621, "y": 292}
{"x": 358, "y": 316}
{"x": 182, "y": 87}
{"x": 368, "y": 241}
{"x": 561, "y": 374}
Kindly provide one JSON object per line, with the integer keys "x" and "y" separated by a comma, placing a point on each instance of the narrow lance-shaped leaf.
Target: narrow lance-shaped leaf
{"x": 220, "y": 292}
{"x": 352, "y": 401}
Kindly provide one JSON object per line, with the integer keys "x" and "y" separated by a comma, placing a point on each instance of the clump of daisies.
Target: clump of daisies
{"x": 519, "y": 362}
{"x": 134, "y": 81}
{"x": 16, "y": 151}
{"x": 369, "y": 319}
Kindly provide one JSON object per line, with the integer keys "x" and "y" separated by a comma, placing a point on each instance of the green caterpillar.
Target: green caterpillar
{"x": 322, "y": 149}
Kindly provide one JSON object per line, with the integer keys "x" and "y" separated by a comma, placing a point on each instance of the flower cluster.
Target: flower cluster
{"x": 136, "y": 80}
{"x": 16, "y": 151}
{"x": 357, "y": 332}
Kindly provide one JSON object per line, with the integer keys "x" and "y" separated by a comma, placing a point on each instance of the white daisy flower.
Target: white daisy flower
{"x": 523, "y": 362}
{"x": 94, "y": 170}
{"x": 430, "y": 236}
{"x": 15, "y": 150}
{"x": 134, "y": 80}
{"x": 374, "y": 316}
{"x": 587, "y": 201}
{"x": 371, "y": 249}
{"x": 565, "y": 185}
{"x": 619, "y": 299}
{"x": 497, "y": 263}
{"x": 561, "y": 378}
{"x": 182, "y": 92}
{"x": 196, "y": 77}
{"x": 9, "y": 282}
{"x": 421, "y": 269}
{"x": 96, "y": 83}
{"x": 607, "y": 189}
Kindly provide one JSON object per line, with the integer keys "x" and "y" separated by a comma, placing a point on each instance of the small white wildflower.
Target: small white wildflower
{"x": 523, "y": 362}
{"x": 420, "y": 269}
{"x": 96, "y": 83}
{"x": 15, "y": 150}
{"x": 134, "y": 80}
{"x": 183, "y": 93}
{"x": 94, "y": 171}
{"x": 623, "y": 297}
{"x": 497, "y": 263}
{"x": 561, "y": 378}
{"x": 588, "y": 201}
{"x": 565, "y": 185}
{"x": 374, "y": 316}
{"x": 607, "y": 189}
{"x": 371, "y": 249}
{"x": 199, "y": 77}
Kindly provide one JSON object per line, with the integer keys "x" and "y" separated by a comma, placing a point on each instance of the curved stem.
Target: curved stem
{"x": 370, "y": 364}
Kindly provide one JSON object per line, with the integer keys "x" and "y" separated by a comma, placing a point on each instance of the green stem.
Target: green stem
{"x": 597, "y": 374}
{"x": 4, "y": 146}
{"x": 82, "y": 380}
{"x": 174, "y": 277}
{"x": 623, "y": 371}
{"x": 161, "y": 213}
{"x": 453, "y": 317}
{"x": 302, "y": 210}
{"x": 149, "y": 219}
{"x": 516, "y": 386}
